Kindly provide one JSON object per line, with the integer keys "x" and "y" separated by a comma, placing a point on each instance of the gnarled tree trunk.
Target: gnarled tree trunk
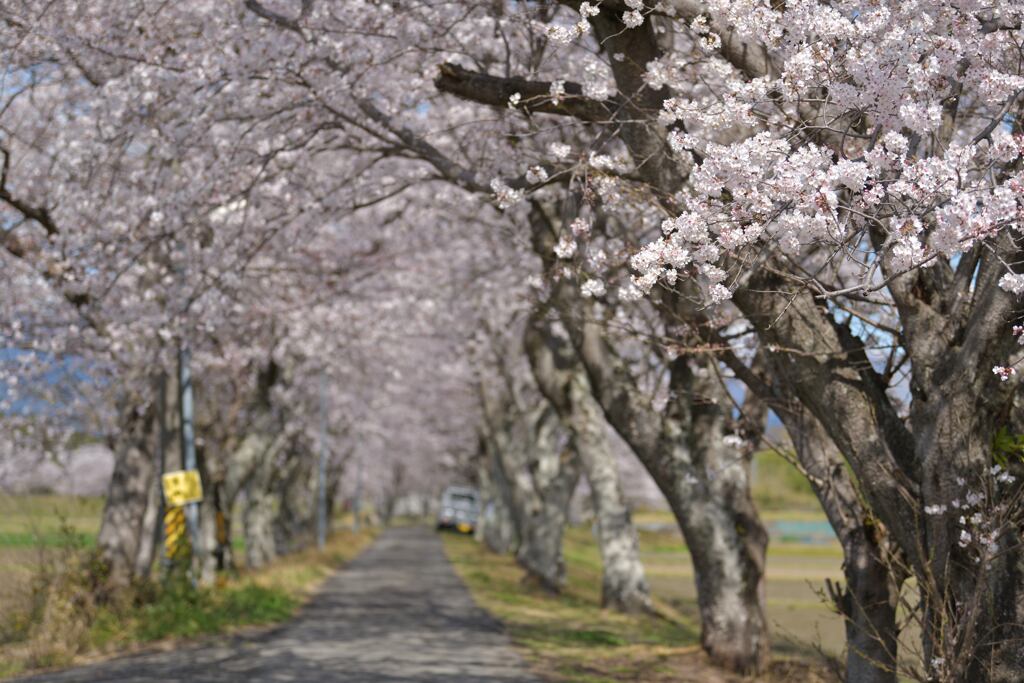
{"x": 129, "y": 496}
{"x": 564, "y": 383}
{"x": 495, "y": 526}
{"x": 251, "y": 470}
{"x": 623, "y": 580}
{"x": 294, "y": 526}
{"x": 150, "y": 531}
{"x": 871, "y": 566}
{"x": 706, "y": 483}
{"x": 869, "y": 599}
{"x": 916, "y": 471}
{"x": 541, "y": 475}
{"x": 543, "y": 482}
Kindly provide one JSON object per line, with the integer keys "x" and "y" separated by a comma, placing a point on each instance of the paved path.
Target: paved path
{"x": 397, "y": 613}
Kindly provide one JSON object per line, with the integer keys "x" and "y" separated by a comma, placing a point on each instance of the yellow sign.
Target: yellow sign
{"x": 175, "y": 540}
{"x": 182, "y": 487}
{"x": 464, "y": 528}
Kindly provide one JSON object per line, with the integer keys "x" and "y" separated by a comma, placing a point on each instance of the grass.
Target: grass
{"x": 32, "y": 521}
{"x": 800, "y": 621}
{"x": 559, "y": 633}
{"x": 568, "y": 638}
{"x": 778, "y": 487}
{"x": 52, "y": 613}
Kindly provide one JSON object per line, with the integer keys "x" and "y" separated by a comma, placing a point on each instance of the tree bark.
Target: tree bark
{"x": 954, "y": 330}
{"x": 214, "y": 553}
{"x": 251, "y": 469}
{"x": 541, "y": 476}
{"x": 544, "y": 483}
{"x": 258, "y": 526}
{"x": 295, "y": 522}
{"x": 873, "y": 571}
{"x": 150, "y": 532}
{"x": 564, "y": 383}
{"x": 128, "y": 495}
{"x": 495, "y": 527}
{"x": 623, "y": 580}
{"x": 869, "y": 599}
{"x": 706, "y": 484}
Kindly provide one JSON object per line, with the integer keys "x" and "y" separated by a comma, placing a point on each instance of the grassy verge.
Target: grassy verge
{"x": 569, "y": 639}
{"x": 67, "y": 618}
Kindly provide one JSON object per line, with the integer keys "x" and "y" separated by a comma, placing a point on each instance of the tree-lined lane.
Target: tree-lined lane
{"x": 397, "y": 613}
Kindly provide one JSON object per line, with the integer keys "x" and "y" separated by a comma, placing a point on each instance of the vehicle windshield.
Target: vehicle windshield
{"x": 460, "y": 500}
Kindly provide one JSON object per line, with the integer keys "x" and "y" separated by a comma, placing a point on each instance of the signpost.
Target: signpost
{"x": 188, "y": 439}
{"x": 176, "y": 545}
{"x": 182, "y": 487}
{"x": 161, "y": 456}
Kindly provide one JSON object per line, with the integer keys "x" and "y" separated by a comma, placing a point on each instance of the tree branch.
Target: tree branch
{"x": 535, "y": 96}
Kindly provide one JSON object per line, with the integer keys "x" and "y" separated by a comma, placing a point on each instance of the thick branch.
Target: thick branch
{"x": 38, "y": 214}
{"x": 535, "y": 96}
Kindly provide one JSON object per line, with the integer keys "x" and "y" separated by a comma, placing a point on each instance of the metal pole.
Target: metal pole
{"x": 188, "y": 439}
{"x": 321, "y": 508}
{"x": 357, "y": 503}
{"x": 161, "y": 464}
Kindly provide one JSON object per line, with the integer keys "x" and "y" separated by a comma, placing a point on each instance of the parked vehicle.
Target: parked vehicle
{"x": 459, "y": 510}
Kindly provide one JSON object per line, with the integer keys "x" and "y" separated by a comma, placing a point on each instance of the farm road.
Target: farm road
{"x": 396, "y": 613}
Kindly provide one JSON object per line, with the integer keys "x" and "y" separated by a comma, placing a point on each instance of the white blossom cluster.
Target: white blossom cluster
{"x": 781, "y": 165}
{"x": 504, "y": 195}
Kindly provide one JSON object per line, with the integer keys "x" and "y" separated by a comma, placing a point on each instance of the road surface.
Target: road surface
{"x": 396, "y": 613}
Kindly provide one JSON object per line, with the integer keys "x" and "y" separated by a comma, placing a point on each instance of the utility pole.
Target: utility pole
{"x": 357, "y": 503}
{"x": 321, "y": 508}
{"x": 188, "y": 438}
{"x": 161, "y": 462}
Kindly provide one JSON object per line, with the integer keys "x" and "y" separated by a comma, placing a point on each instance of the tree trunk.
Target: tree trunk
{"x": 545, "y": 487}
{"x": 495, "y": 526}
{"x": 541, "y": 477}
{"x": 707, "y": 486}
{"x": 212, "y": 554}
{"x": 869, "y": 599}
{"x": 258, "y": 526}
{"x": 128, "y": 495}
{"x": 973, "y": 585}
{"x": 728, "y": 547}
{"x": 295, "y": 522}
{"x": 972, "y": 605}
{"x": 563, "y": 381}
{"x": 150, "y": 531}
{"x": 623, "y": 580}
{"x": 868, "y": 605}
{"x": 499, "y": 532}
{"x": 252, "y": 469}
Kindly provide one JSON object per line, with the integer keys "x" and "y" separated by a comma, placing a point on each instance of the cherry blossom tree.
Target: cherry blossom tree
{"x": 848, "y": 175}
{"x": 821, "y": 200}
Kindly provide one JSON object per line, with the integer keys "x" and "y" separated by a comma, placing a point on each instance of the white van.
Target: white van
{"x": 460, "y": 508}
